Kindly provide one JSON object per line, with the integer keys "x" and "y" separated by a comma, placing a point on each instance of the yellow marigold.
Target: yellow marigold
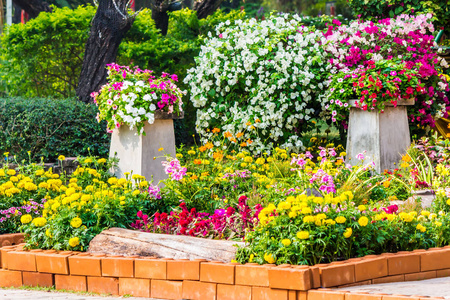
{"x": 101, "y": 160}
{"x": 438, "y": 224}
{"x": 73, "y": 242}
{"x": 340, "y": 220}
{"x": 61, "y": 157}
{"x": 39, "y": 222}
{"x": 191, "y": 152}
{"x": 136, "y": 192}
{"x": 284, "y": 206}
{"x": 362, "y": 207}
{"x": 11, "y": 172}
{"x": 286, "y": 242}
{"x": 406, "y": 158}
{"x": 25, "y": 219}
{"x": 48, "y": 233}
{"x": 260, "y": 161}
{"x": 76, "y": 222}
{"x": 348, "y": 232}
{"x": 179, "y": 155}
{"x": 303, "y": 235}
{"x": 308, "y": 219}
{"x": 292, "y": 214}
{"x": 363, "y": 221}
{"x": 386, "y": 183}
{"x": 425, "y": 213}
{"x": 421, "y": 228}
{"x": 39, "y": 172}
{"x": 306, "y": 210}
{"x": 269, "y": 258}
{"x": 143, "y": 184}
{"x": 448, "y": 201}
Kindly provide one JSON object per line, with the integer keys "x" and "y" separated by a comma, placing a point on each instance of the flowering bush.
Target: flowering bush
{"x": 10, "y": 219}
{"x": 311, "y": 230}
{"x": 225, "y": 223}
{"x": 132, "y": 96}
{"x": 385, "y": 62}
{"x": 263, "y": 79}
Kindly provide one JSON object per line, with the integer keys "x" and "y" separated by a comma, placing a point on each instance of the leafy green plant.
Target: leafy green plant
{"x": 47, "y": 128}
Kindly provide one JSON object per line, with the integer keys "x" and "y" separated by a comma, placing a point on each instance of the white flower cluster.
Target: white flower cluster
{"x": 260, "y": 79}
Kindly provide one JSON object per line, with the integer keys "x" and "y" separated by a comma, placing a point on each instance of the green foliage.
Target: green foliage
{"x": 374, "y": 9}
{"x": 43, "y": 57}
{"x": 48, "y": 127}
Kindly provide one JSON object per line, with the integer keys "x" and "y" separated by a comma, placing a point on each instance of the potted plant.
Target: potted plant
{"x": 139, "y": 109}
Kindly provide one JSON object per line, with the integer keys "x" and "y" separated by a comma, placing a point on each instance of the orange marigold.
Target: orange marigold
{"x": 227, "y": 134}
{"x": 216, "y": 130}
{"x": 209, "y": 145}
{"x": 197, "y": 161}
{"x": 202, "y": 149}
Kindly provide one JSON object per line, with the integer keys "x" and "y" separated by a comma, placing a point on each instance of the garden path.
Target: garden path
{"x": 9, "y": 294}
{"x": 437, "y": 287}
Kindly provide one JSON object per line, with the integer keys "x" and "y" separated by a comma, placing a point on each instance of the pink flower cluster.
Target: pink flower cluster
{"x": 174, "y": 169}
{"x": 404, "y": 40}
{"x": 223, "y": 224}
{"x": 325, "y": 181}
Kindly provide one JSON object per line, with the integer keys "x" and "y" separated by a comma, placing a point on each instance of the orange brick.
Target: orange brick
{"x": 326, "y": 295}
{"x": 21, "y": 261}
{"x": 117, "y": 267}
{"x": 336, "y": 275}
{"x": 443, "y": 273}
{"x": 10, "y": 278}
{"x": 69, "y": 282}
{"x": 362, "y": 296}
{"x": 420, "y": 276}
{"x": 165, "y": 289}
{"x": 299, "y": 295}
{"x": 134, "y": 287}
{"x": 435, "y": 260}
{"x": 103, "y": 285}
{"x": 3, "y": 256}
{"x": 233, "y": 292}
{"x": 183, "y": 270}
{"x": 290, "y": 278}
{"x": 371, "y": 268}
{"x": 85, "y": 265}
{"x": 196, "y": 290}
{"x": 52, "y": 263}
{"x": 252, "y": 274}
{"x": 388, "y": 279}
{"x": 217, "y": 272}
{"x": 403, "y": 263}
{"x": 315, "y": 277}
{"x": 38, "y": 279}
{"x": 150, "y": 268}
{"x": 264, "y": 293}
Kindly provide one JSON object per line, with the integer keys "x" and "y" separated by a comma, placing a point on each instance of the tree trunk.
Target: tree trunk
{"x": 206, "y": 7}
{"x": 109, "y": 26}
{"x": 118, "y": 241}
{"x": 160, "y": 16}
{"x": 33, "y": 7}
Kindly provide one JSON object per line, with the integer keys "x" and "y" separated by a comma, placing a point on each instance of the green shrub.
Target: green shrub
{"x": 43, "y": 57}
{"x": 48, "y": 127}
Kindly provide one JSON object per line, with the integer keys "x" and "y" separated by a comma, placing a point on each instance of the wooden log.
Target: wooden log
{"x": 118, "y": 241}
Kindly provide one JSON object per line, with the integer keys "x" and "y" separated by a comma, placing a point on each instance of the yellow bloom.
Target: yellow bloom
{"x": 421, "y": 228}
{"x": 160, "y": 149}
{"x": 340, "y": 220}
{"x": 61, "y": 157}
{"x": 39, "y": 172}
{"x": 425, "y": 213}
{"x": 136, "y": 192}
{"x": 348, "y": 233}
{"x": 73, "y": 242}
{"x": 269, "y": 258}
{"x": 286, "y": 242}
{"x": 191, "y": 152}
{"x": 11, "y": 172}
{"x": 179, "y": 155}
{"x": 143, "y": 184}
{"x": 48, "y": 233}
{"x": 25, "y": 219}
{"x": 362, "y": 207}
{"x": 39, "y": 222}
{"x": 76, "y": 222}
{"x": 292, "y": 214}
{"x": 308, "y": 219}
{"x": 303, "y": 235}
{"x": 101, "y": 160}
{"x": 363, "y": 221}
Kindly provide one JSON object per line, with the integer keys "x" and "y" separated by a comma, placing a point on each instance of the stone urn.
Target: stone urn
{"x": 383, "y": 136}
{"x": 140, "y": 154}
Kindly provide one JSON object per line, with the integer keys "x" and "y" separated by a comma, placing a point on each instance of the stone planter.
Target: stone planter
{"x": 384, "y": 136}
{"x": 138, "y": 153}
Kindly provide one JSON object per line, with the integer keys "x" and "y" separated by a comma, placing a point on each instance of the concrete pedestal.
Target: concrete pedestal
{"x": 136, "y": 153}
{"x": 384, "y": 136}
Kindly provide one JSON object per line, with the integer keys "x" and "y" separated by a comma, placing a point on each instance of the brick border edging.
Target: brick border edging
{"x": 200, "y": 279}
{"x": 10, "y": 239}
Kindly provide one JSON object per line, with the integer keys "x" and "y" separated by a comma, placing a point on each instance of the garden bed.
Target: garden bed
{"x": 200, "y": 279}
